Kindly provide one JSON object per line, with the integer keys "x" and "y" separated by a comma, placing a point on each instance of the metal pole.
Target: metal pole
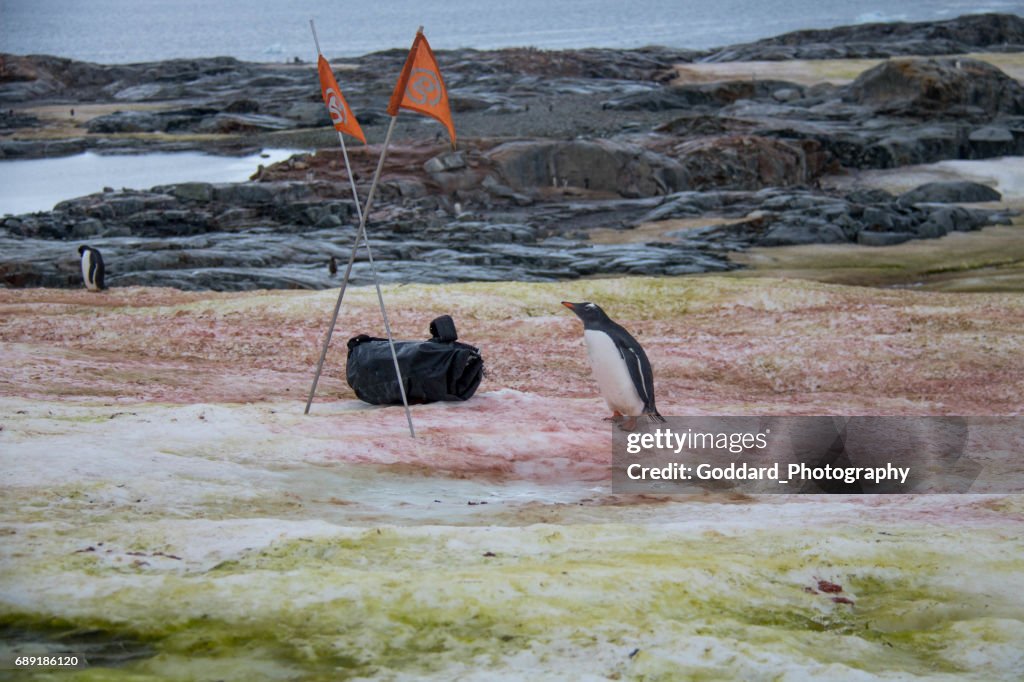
{"x": 351, "y": 258}
{"x": 373, "y": 269}
{"x": 344, "y": 281}
{"x": 316, "y": 40}
{"x": 361, "y": 234}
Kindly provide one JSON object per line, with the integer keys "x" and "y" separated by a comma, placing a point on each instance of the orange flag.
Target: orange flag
{"x": 341, "y": 116}
{"x": 420, "y": 88}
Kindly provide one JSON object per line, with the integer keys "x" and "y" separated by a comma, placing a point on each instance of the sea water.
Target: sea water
{"x": 124, "y": 31}
{"x": 38, "y": 184}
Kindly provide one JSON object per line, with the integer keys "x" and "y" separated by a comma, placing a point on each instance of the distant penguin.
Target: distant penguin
{"x": 619, "y": 363}
{"x": 332, "y": 266}
{"x": 92, "y": 268}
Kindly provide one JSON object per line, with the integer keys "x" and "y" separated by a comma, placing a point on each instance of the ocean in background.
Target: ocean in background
{"x": 37, "y": 184}
{"x": 122, "y": 31}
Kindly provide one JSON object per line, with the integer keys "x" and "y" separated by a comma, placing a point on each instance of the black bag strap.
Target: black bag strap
{"x": 442, "y": 329}
{"x": 356, "y": 340}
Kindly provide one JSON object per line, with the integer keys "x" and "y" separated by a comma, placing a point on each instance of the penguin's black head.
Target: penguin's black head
{"x": 589, "y": 313}
{"x": 82, "y": 249}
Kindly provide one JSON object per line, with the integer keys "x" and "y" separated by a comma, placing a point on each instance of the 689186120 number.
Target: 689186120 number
{"x": 50, "y": 661}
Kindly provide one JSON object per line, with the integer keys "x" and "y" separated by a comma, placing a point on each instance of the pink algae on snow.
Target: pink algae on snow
{"x": 717, "y": 345}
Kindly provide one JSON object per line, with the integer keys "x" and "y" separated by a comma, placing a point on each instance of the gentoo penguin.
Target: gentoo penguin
{"x": 92, "y": 268}
{"x": 620, "y": 365}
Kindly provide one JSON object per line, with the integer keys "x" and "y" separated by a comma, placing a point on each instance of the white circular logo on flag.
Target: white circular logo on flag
{"x": 336, "y": 108}
{"x": 424, "y": 87}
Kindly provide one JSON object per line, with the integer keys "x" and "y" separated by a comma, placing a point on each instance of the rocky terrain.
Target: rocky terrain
{"x": 553, "y": 145}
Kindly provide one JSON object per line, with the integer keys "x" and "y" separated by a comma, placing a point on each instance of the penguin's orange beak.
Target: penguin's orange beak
{"x": 568, "y": 305}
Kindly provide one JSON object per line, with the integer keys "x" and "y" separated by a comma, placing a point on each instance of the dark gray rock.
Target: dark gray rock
{"x": 177, "y": 120}
{"x": 261, "y": 239}
{"x": 244, "y": 123}
{"x": 868, "y": 238}
{"x": 716, "y": 94}
{"x": 89, "y": 227}
{"x": 446, "y": 162}
{"x": 991, "y": 134}
{"x": 877, "y": 218}
{"x": 518, "y": 209}
{"x": 948, "y": 86}
{"x": 970, "y": 33}
{"x": 809, "y": 231}
{"x": 949, "y": 193}
{"x": 303, "y": 114}
{"x": 870, "y": 196}
{"x": 600, "y": 165}
{"x": 746, "y": 162}
{"x": 787, "y": 94}
{"x": 498, "y": 189}
{"x": 199, "y": 192}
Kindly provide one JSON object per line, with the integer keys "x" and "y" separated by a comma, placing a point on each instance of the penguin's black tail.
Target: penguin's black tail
{"x": 655, "y": 417}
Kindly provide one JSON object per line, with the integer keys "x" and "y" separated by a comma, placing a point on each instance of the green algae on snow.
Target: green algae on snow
{"x": 434, "y": 601}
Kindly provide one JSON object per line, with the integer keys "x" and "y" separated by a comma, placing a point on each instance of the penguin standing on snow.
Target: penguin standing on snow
{"x": 92, "y": 268}
{"x": 620, "y": 365}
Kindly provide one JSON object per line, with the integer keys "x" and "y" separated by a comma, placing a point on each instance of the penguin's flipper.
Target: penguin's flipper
{"x": 643, "y": 377}
{"x": 640, "y": 372}
{"x": 100, "y": 270}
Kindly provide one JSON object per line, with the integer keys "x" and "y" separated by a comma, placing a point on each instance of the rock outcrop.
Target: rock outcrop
{"x": 969, "y": 33}
{"x": 281, "y": 235}
{"x": 552, "y": 145}
{"x": 950, "y": 193}
{"x": 599, "y": 165}
{"x": 947, "y": 87}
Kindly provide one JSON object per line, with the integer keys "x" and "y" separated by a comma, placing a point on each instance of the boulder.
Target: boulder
{"x": 991, "y": 133}
{"x": 968, "y": 33}
{"x": 949, "y": 193}
{"x": 125, "y": 122}
{"x": 995, "y": 140}
{"x": 717, "y": 94}
{"x": 808, "y": 231}
{"x": 200, "y": 192}
{"x": 176, "y": 120}
{"x": 306, "y": 114}
{"x": 449, "y": 161}
{"x": 599, "y": 165}
{"x": 946, "y": 86}
{"x": 869, "y": 196}
{"x": 748, "y": 162}
{"x": 244, "y": 123}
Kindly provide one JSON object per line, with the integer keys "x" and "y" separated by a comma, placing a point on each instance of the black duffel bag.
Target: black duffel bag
{"x": 438, "y": 369}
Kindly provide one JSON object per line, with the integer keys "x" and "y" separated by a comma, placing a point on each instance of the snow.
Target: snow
{"x": 171, "y": 491}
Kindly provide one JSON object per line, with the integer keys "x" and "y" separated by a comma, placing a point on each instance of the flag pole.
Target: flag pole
{"x": 351, "y": 258}
{"x": 373, "y": 270}
{"x": 344, "y": 281}
{"x": 361, "y": 234}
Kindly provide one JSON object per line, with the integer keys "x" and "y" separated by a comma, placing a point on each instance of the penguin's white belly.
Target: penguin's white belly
{"x": 612, "y": 375}
{"x": 86, "y": 266}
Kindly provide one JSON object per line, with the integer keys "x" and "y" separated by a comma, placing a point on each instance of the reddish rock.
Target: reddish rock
{"x": 949, "y": 85}
{"x": 749, "y": 162}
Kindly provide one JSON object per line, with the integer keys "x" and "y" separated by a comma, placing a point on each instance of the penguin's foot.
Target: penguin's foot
{"x": 628, "y": 424}
{"x": 615, "y": 415}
